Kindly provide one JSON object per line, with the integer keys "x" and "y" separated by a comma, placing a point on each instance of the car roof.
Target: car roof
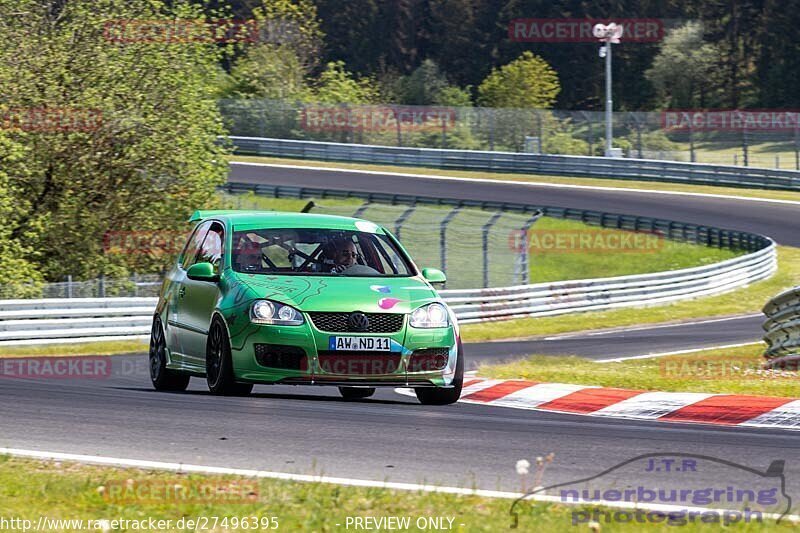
{"x": 241, "y": 219}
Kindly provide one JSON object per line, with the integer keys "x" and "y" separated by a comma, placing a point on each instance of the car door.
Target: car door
{"x": 175, "y": 328}
{"x": 199, "y": 298}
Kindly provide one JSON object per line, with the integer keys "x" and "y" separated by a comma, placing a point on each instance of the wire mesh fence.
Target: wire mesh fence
{"x": 761, "y": 138}
{"x": 138, "y": 285}
{"x": 476, "y": 248}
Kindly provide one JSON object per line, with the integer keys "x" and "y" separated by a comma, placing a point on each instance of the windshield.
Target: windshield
{"x": 323, "y": 252}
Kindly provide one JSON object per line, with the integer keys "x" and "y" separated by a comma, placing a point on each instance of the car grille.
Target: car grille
{"x": 337, "y": 322}
{"x": 428, "y": 359}
{"x": 281, "y": 356}
{"x": 358, "y": 363}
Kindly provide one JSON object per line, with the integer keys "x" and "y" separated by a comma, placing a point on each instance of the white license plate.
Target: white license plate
{"x": 371, "y": 344}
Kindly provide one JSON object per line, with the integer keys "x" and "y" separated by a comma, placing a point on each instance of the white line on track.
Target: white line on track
{"x": 527, "y": 183}
{"x": 647, "y": 327}
{"x": 677, "y": 352}
{"x": 216, "y": 470}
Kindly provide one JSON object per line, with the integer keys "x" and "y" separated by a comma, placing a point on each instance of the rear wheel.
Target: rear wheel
{"x": 356, "y": 393}
{"x": 163, "y": 378}
{"x": 219, "y": 364}
{"x": 442, "y": 396}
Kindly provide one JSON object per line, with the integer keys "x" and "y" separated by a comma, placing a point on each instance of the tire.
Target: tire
{"x": 163, "y": 378}
{"x": 219, "y": 364}
{"x": 440, "y": 395}
{"x": 356, "y": 393}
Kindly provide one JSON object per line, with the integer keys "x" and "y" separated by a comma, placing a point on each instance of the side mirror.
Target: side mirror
{"x": 434, "y": 275}
{"x": 202, "y": 272}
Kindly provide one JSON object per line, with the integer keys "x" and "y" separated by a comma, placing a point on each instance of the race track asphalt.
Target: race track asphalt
{"x": 390, "y": 437}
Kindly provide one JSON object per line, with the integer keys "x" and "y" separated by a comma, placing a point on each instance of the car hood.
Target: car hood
{"x": 341, "y": 294}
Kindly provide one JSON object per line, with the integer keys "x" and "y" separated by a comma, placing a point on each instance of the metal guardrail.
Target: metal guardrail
{"x": 548, "y": 299}
{"x": 583, "y": 166}
{"x": 783, "y": 327}
{"x": 67, "y": 320}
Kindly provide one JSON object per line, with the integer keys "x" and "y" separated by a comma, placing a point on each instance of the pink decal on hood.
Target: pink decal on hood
{"x": 387, "y": 303}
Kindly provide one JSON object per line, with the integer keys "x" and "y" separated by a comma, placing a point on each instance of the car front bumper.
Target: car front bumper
{"x": 301, "y": 355}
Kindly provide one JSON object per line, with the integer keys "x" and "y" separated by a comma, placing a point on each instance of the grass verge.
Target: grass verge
{"x": 533, "y": 178}
{"x": 727, "y": 371}
{"x": 748, "y": 299}
{"x": 67, "y": 491}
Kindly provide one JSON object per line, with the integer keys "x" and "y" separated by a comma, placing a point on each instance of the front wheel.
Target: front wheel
{"x": 163, "y": 378}
{"x": 442, "y": 396}
{"x": 219, "y": 364}
{"x": 356, "y": 393}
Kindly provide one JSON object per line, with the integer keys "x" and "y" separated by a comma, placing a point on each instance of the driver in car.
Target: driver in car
{"x": 248, "y": 257}
{"x": 345, "y": 255}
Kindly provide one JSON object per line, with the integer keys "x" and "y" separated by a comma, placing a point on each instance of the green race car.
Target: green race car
{"x": 287, "y": 298}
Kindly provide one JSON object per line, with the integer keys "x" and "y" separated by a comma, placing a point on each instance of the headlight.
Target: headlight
{"x": 267, "y": 312}
{"x": 430, "y": 316}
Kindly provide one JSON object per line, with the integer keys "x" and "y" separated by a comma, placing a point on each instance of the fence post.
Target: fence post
{"x": 485, "y": 229}
{"x": 797, "y": 142}
{"x": 589, "y": 129}
{"x": 398, "y": 224}
{"x": 360, "y": 211}
{"x": 539, "y": 131}
{"x": 491, "y": 129}
{"x": 69, "y": 286}
{"x": 444, "y": 133}
{"x": 692, "y": 155}
{"x": 524, "y": 256}
{"x": 399, "y": 126}
{"x": 443, "y": 238}
{"x": 135, "y": 285}
{"x": 101, "y": 286}
{"x": 745, "y": 155}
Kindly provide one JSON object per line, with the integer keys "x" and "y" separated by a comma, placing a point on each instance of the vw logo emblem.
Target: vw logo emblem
{"x": 358, "y": 322}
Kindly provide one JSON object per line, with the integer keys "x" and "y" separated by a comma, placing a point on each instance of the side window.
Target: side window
{"x": 211, "y": 250}
{"x": 190, "y": 250}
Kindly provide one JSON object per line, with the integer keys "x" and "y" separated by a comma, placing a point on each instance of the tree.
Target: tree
{"x": 290, "y": 38}
{"x": 20, "y": 274}
{"x": 293, "y": 24}
{"x": 526, "y": 82}
{"x": 119, "y": 133}
{"x": 427, "y": 85}
{"x": 336, "y": 85}
{"x": 268, "y": 71}
{"x": 683, "y": 72}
